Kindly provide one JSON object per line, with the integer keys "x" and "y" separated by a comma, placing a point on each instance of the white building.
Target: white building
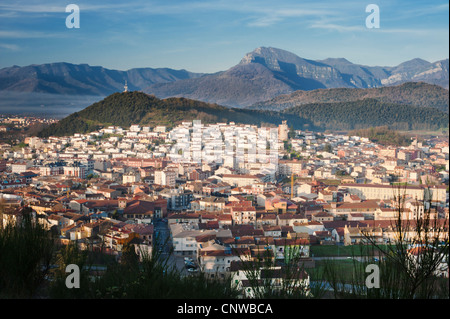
{"x": 165, "y": 178}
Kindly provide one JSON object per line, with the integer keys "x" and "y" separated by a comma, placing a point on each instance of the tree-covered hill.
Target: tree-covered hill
{"x": 411, "y": 93}
{"x": 128, "y": 108}
{"x": 383, "y": 135}
{"x": 370, "y": 112}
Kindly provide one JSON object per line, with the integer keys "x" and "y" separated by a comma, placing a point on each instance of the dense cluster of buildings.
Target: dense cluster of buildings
{"x": 229, "y": 192}
{"x": 9, "y": 122}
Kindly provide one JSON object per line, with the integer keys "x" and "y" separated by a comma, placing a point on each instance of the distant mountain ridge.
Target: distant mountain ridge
{"x": 418, "y": 70}
{"x": 83, "y": 79}
{"x": 268, "y": 72}
{"x": 261, "y": 75}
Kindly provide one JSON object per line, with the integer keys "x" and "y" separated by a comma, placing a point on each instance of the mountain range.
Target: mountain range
{"x": 268, "y": 72}
{"x": 82, "y": 79}
{"x": 261, "y": 75}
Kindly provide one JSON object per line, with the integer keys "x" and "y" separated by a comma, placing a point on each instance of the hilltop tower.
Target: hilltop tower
{"x": 125, "y": 87}
{"x": 283, "y": 130}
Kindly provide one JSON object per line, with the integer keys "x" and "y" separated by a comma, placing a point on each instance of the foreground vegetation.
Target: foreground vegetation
{"x": 33, "y": 265}
{"x": 134, "y": 278}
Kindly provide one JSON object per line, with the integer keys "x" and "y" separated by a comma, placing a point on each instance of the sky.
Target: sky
{"x": 214, "y": 35}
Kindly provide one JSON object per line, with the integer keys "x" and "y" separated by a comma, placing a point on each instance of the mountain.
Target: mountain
{"x": 236, "y": 87}
{"x": 261, "y": 75}
{"x": 305, "y": 73}
{"x": 83, "y": 79}
{"x": 418, "y": 70}
{"x": 410, "y": 93}
{"x": 360, "y": 76}
{"x": 268, "y": 72}
{"x": 127, "y": 108}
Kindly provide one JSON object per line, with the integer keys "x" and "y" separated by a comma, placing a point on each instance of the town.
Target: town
{"x": 10, "y": 122}
{"x": 213, "y": 196}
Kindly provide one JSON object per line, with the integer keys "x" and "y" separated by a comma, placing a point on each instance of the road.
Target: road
{"x": 163, "y": 245}
{"x": 161, "y": 237}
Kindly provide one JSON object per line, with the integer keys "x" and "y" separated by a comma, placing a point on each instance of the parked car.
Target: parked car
{"x": 192, "y": 270}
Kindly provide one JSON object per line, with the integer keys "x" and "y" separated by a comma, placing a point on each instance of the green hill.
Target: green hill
{"x": 125, "y": 109}
{"x": 411, "y": 93}
{"x": 368, "y": 113}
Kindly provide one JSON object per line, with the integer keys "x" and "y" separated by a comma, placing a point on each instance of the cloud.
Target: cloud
{"x": 430, "y": 9}
{"x": 10, "y": 47}
{"x": 21, "y": 8}
{"x": 29, "y": 34}
{"x": 416, "y": 32}
{"x": 337, "y": 27}
{"x": 44, "y": 9}
{"x": 264, "y": 21}
{"x": 270, "y": 17}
